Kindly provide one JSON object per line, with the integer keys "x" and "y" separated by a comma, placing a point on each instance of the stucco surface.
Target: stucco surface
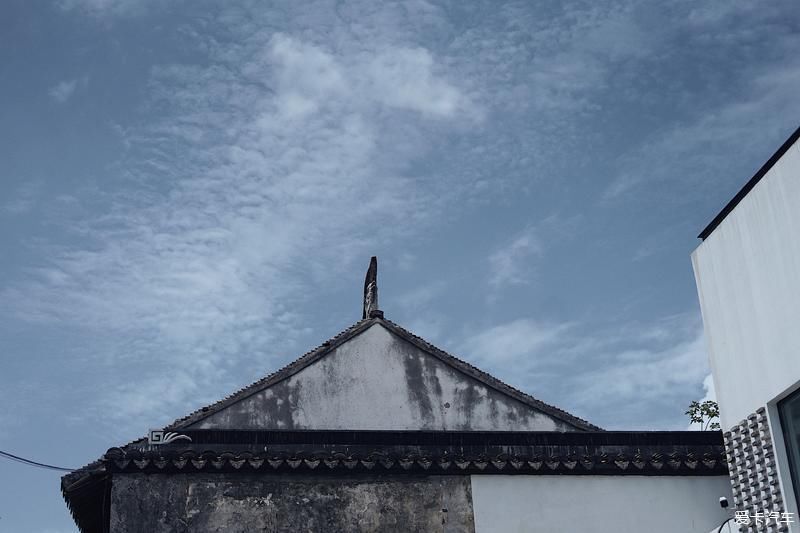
{"x": 598, "y": 504}
{"x": 747, "y": 279}
{"x": 379, "y": 381}
{"x": 237, "y": 504}
{"x": 749, "y": 287}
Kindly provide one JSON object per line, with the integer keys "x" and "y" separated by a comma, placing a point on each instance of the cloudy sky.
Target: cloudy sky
{"x": 190, "y": 193}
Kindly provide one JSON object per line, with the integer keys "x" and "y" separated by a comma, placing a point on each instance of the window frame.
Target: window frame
{"x": 791, "y": 439}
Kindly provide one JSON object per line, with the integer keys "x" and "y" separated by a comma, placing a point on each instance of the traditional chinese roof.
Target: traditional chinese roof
{"x": 442, "y": 453}
{"x": 395, "y": 453}
{"x": 83, "y": 487}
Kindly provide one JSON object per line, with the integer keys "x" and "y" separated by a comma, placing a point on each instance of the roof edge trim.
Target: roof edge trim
{"x": 488, "y": 379}
{"x": 766, "y": 167}
{"x": 277, "y": 376}
{"x": 359, "y": 327}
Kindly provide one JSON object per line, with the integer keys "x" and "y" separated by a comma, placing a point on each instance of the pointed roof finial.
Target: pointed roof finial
{"x": 371, "y": 290}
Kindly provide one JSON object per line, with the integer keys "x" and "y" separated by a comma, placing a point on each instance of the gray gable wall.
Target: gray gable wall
{"x": 379, "y": 381}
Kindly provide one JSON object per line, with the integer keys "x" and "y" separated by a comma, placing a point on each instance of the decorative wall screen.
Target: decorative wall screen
{"x": 754, "y": 477}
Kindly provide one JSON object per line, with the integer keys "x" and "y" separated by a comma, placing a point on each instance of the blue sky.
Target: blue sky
{"x": 190, "y": 193}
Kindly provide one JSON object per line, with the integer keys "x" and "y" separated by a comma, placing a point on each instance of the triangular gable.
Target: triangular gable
{"x": 378, "y": 376}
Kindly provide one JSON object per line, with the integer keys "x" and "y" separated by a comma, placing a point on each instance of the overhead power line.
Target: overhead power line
{"x": 33, "y": 463}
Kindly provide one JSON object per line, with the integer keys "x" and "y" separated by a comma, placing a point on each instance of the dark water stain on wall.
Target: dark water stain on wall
{"x": 418, "y": 392}
{"x": 403, "y": 387}
{"x": 233, "y": 503}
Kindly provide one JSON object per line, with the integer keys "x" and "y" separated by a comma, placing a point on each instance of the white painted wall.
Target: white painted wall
{"x": 378, "y": 381}
{"x": 598, "y": 504}
{"x": 748, "y": 279}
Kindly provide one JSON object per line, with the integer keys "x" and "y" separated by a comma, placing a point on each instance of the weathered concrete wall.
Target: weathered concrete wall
{"x": 142, "y": 503}
{"x": 237, "y": 503}
{"x": 379, "y": 381}
{"x": 598, "y": 504}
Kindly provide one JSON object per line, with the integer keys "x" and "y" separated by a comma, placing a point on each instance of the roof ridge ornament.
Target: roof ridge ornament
{"x": 159, "y": 436}
{"x": 371, "y": 309}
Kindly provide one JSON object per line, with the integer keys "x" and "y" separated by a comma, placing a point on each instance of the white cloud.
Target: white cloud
{"x": 107, "y": 8}
{"x": 396, "y": 77}
{"x": 644, "y": 375}
{"x": 512, "y": 341}
{"x": 63, "y": 90}
{"x": 694, "y": 155}
{"x": 405, "y": 78}
{"x": 24, "y": 198}
{"x": 422, "y": 297}
{"x": 714, "y": 13}
{"x": 265, "y": 188}
{"x": 510, "y": 264}
{"x": 637, "y": 376}
{"x": 305, "y": 140}
{"x": 514, "y": 261}
{"x": 307, "y": 76}
{"x": 710, "y": 393}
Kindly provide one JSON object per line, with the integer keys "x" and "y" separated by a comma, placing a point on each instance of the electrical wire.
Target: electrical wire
{"x": 33, "y": 463}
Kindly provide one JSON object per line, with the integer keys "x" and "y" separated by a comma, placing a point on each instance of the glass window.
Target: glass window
{"x": 789, "y": 409}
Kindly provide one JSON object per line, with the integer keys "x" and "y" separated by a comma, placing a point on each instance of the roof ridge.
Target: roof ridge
{"x": 489, "y": 379}
{"x": 362, "y": 325}
{"x": 97, "y": 468}
{"x": 325, "y": 347}
{"x": 278, "y": 375}
{"x": 242, "y": 393}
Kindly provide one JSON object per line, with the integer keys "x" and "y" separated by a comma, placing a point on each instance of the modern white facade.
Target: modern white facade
{"x": 748, "y": 279}
{"x": 600, "y": 504}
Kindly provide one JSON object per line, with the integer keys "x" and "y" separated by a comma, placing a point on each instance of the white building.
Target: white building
{"x": 748, "y": 278}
